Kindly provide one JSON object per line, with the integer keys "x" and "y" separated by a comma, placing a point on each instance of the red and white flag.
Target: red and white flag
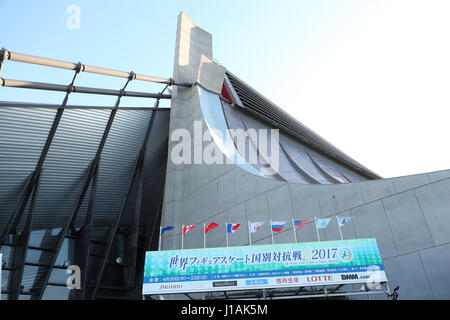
{"x": 299, "y": 224}
{"x": 188, "y": 228}
{"x": 210, "y": 226}
{"x": 254, "y": 226}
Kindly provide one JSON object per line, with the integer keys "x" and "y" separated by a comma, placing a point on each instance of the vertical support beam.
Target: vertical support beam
{"x": 113, "y": 230}
{"x": 63, "y": 232}
{"x": 3, "y": 57}
{"x": 149, "y": 234}
{"x": 20, "y": 252}
{"x": 132, "y": 236}
{"x": 137, "y": 169}
{"x": 81, "y": 255}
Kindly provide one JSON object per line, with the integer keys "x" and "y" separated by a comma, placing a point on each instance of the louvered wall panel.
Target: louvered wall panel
{"x": 154, "y": 167}
{"x": 258, "y": 105}
{"x": 117, "y": 163}
{"x": 73, "y": 148}
{"x": 23, "y": 133}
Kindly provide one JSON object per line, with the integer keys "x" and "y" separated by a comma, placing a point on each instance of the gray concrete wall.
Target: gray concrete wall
{"x": 409, "y": 216}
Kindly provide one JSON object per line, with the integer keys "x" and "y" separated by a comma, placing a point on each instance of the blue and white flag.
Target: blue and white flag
{"x": 168, "y": 228}
{"x": 343, "y": 220}
{"x": 322, "y": 223}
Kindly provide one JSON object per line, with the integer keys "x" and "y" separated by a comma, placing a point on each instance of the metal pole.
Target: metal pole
{"x": 1, "y": 264}
{"x": 2, "y": 58}
{"x": 293, "y": 229}
{"x": 160, "y": 236}
{"x": 182, "y": 236}
{"x": 88, "y": 90}
{"x": 388, "y": 289}
{"x": 226, "y": 232}
{"x": 271, "y": 231}
{"x": 339, "y": 227}
{"x": 83, "y": 238}
{"x": 317, "y": 230}
{"x": 249, "y": 233}
{"x": 204, "y": 236}
{"x": 20, "y": 57}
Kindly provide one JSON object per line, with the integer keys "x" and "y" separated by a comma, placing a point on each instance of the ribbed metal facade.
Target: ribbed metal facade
{"x": 115, "y": 256}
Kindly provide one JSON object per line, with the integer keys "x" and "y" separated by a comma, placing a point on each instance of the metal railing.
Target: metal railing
{"x": 79, "y": 67}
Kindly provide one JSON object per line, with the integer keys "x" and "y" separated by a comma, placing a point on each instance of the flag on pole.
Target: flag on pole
{"x": 210, "y": 226}
{"x": 299, "y": 224}
{"x": 188, "y": 228}
{"x": 232, "y": 227}
{"x": 277, "y": 226}
{"x": 168, "y": 228}
{"x": 322, "y": 223}
{"x": 343, "y": 220}
{"x": 254, "y": 226}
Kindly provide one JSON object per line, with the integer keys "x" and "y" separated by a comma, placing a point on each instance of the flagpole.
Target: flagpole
{"x": 339, "y": 227}
{"x": 204, "y": 236}
{"x": 271, "y": 231}
{"x": 317, "y": 229}
{"x": 249, "y": 233}
{"x": 226, "y": 232}
{"x": 160, "y": 235}
{"x": 204, "y": 246}
{"x": 182, "y": 236}
{"x": 293, "y": 229}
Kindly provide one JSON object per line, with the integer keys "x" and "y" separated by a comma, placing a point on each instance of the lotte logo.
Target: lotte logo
{"x": 319, "y": 278}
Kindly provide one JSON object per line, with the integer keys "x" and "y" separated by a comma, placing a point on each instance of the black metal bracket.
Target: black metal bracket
{"x": 3, "y": 57}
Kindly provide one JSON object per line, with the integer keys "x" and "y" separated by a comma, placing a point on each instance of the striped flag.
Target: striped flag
{"x": 232, "y": 227}
{"x": 188, "y": 228}
{"x": 210, "y": 226}
{"x": 299, "y": 224}
{"x": 277, "y": 226}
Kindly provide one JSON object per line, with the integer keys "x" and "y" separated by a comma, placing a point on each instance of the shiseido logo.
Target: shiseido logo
{"x": 170, "y": 286}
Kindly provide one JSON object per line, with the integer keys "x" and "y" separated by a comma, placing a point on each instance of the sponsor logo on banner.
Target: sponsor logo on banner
{"x": 352, "y": 276}
{"x": 224, "y": 284}
{"x": 256, "y": 282}
{"x": 170, "y": 286}
{"x": 280, "y": 265}
{"x": 324, "y": 278}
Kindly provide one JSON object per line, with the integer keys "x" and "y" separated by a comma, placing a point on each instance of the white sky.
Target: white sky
{"x": 376, "y": 85}
{"x": 370, "y": 76}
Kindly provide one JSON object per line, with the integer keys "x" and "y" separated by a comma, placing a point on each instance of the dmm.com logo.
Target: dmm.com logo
{"x": 353, "y": 276}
